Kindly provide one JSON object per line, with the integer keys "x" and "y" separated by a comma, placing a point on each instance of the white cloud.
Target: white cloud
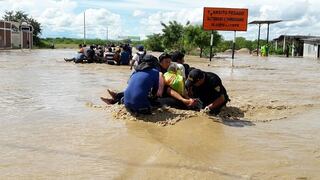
{"x": 152, "y": 22}
{"x": 140, "y": 17}
{"x": 303, "y": 16}
{"x": 138, "y": 13}
{"x": 58, "y": 17}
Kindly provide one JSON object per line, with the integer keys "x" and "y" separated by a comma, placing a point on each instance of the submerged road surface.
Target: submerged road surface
{"x": 48, "y": 131}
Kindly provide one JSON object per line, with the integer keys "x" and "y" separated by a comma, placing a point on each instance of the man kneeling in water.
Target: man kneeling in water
{"x": 142, "y": 83}
{"x": 164, "y": 63}
{"x": 208, "y": 88}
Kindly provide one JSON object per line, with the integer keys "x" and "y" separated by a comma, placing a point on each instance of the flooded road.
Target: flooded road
{"x": 48, "y": 131}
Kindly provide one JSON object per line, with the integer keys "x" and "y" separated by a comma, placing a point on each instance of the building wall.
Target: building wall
{"x": 15, "y": 38}
{"x": 10, "y": 35}
{"x": 1, "y": 38}
{"x": 27, "y": 40}
{"x": 5, "y": 34}
{"x": 310, "y": 50}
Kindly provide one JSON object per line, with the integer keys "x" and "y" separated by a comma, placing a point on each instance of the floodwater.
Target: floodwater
{"x": 48, "y": 130}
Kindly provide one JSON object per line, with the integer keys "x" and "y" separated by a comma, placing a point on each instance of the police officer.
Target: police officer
{"x": 208, "y": 88}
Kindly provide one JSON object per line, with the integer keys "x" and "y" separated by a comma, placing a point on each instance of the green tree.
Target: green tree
{"x": 241, "y": 42}
{"x": 196, "y": 36}
{"x": 224, "y": 45}
{"x": 20, "y": 16}
{"x": 172, "y": 35}
{"x": 154, "y": 42}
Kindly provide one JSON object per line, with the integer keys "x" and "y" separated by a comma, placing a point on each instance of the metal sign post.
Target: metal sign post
{"x": 233, "y": 47}
{"x": 211, "y": 44}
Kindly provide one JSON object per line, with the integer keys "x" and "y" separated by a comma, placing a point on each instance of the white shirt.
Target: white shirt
{"x": 182, "y": 69}
{"x": 135, "y": 58}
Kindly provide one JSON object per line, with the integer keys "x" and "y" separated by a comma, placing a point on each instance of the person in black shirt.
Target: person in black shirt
{"x": 208, "y": 88}
{"x": 91, "y": 55}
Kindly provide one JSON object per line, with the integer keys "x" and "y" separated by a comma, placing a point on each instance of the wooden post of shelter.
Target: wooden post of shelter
{"x": 260, "y": 22}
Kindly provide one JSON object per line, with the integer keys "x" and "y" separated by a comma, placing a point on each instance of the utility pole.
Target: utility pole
{"x": 107, "y": 33}
{"x": 84, "y": 27}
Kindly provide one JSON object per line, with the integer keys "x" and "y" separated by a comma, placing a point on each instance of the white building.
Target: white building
{"x": 311, "y": 48}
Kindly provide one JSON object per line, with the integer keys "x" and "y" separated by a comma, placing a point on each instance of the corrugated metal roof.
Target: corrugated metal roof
{"x": 313, "y": 40}
{"x": 265, "y": 22}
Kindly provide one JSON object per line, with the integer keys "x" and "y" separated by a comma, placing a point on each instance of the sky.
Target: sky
{"x": 114, "y": 18}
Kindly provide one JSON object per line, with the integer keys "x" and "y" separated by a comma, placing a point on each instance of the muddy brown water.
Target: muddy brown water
{"x": 48, "y": 131}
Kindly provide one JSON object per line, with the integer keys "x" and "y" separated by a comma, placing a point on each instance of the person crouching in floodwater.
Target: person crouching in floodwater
{"x": 164, "y": 63}
{"x": 143, "y": 82}
{"x": 143, "y": 86}
{"x": 208, "y": 88}
{"x": 175, "y": 94}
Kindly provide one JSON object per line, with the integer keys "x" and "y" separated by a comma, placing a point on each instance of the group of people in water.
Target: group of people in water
{"x": 168, "y": 81}
{"x": 110, "y": 54}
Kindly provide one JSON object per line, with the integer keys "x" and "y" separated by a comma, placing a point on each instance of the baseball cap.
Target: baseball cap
{"x": 194, "y": 76}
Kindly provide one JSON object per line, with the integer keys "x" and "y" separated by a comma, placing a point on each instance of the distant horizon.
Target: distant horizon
{"x": 64, "y": 18}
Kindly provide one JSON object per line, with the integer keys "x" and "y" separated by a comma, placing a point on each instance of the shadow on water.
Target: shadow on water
{"x": 232, "y": 116}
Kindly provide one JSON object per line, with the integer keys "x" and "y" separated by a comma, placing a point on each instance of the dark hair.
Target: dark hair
{"x": 164, "y": 56}
{"x": 80, "y": 45}
{"x": 140, "y": 48}
{"x": 148, "y": 61}
{"x": 176, "y": 56}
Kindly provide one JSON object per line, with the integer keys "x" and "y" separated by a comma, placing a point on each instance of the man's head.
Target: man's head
{"x": 195, "y": 78}
{"x": 165, "y": 60}
{"x": 178, "y": 57}
{"x": 80, "y": 45}
{"x": 140, "y": 48}
{"x": 148, "y": 61}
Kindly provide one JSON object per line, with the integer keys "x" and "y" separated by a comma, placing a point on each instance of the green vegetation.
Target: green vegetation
{"x": 195, "y": 36}
{"x": 154, "y": 42}
{"x": 186, "y": 38}
{"x": 190, "y": 39}
{"x": 74, "y": 43}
